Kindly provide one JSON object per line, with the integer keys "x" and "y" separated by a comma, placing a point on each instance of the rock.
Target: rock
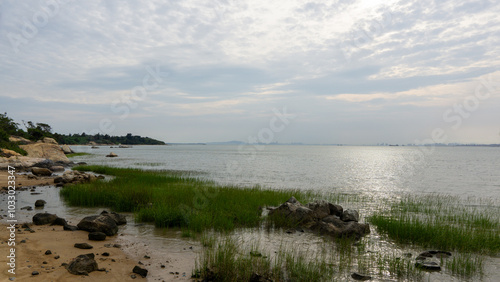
{"x": 105, "y": 254}
{"x": 45, "y": 163}
{"x": 57, "y": 168}
{"x": 350, "y": 215}
{"x": 141, "y": 271}
{"x": 428, "y": 265}
{"x": 255, "y": 277}
{"x": 44, "y": 218}
{"x": 58, "y": 179}
{"x": 294, "y": 211}
{"x": 75, "y": 176}
{"x": 335, "y": 220}
{"x": 40, "y": 203}
{"x": 6, "y": 153}
{"x": 38, "y": 171}
{"x": 322, "y": 217}
{"x": 28, "y": 208}
{"x": 66, "y": 149}
{"x": 46, "y": 151}
{"x": 99, "y": 223}
{"x": 20, "y": 162}
{"x": 35, "y": 273}
{"x": 124, "y": 146}
{"x": 49, "y": 140}
{"x": 320, "y": 208}
{"x": 84, "y": 246}
{"x": 97, "y": 236}
{"x": 59, "y": 221}
{"x": 335, "y": 209}
{"x": 112, "y": 155}
{"x": 82, "y": 265}
{"x": 360, "y": 277}
{"x": 20, "y": 140}
{"x": 48, "y": 252}
{"x": 68, "y": 227}
{"x": 118, "y": 218}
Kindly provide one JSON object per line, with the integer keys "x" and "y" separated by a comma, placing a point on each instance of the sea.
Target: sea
{"x": 374, "y": 172}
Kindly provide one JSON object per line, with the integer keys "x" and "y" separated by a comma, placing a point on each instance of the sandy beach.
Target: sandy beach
{"x": 30, "y": 256}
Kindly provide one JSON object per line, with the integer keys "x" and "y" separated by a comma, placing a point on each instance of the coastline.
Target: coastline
{"x": 31, "y": 254}
{"x": 176, "y": 256}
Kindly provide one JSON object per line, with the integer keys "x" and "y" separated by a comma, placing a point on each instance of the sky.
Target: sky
{"x": 324, "y": 72}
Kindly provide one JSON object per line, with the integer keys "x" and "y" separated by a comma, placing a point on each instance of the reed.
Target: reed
{"x": 443, "y": 222}
{"x": 172, "y": 199}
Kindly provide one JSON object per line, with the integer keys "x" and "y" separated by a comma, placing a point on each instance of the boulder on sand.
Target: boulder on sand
{"x": 44, "y": 218}
{"x": 105, "y": 223}
{"x": 40, "y": 171}
{"x": 44, "y": 150}
{"x": 82, "y": 265}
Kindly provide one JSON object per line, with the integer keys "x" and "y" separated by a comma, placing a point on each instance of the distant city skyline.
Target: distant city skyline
{"x": 329, "y": 72}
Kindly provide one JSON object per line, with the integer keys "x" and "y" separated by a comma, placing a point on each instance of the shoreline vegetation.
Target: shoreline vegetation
{"x": 210, "y": 213}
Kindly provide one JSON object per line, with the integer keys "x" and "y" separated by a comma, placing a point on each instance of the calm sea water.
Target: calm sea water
{"x": 463, "y": 171}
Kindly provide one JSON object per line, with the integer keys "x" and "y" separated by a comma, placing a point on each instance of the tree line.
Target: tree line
{"x": 37, "y": 131}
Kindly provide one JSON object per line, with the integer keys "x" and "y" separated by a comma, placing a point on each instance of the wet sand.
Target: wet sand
{"x": 30, "y": 256}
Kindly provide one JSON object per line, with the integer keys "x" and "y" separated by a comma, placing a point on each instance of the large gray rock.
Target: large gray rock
{"x": 44, "y": 218}
{"x": 320, "y": 208}
{"x": 40, "y": 171}
{"x": 99, "y": 223}
{"x": 66, "y": 149}
{"x": 350, "y": 215}
{"x": 293, "y": 211}
{"x": 82, "y": 265}
{"x": 118, "y": 218}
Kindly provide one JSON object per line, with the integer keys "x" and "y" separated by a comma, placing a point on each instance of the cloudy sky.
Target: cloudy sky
{"x": 350, "y": 72}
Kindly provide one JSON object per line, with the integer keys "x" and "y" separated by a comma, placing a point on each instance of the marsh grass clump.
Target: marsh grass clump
{"x": 225, "y": 260}
{"x": 77, "y": 154}
{"x": 398, "y": 267}
{"x": 442, "y": 222}
{"x": 171, "y": 199}
{"x": 466, "y": 266}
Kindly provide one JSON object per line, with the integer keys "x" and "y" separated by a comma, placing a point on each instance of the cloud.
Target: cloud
{"x": 331, "y": 61}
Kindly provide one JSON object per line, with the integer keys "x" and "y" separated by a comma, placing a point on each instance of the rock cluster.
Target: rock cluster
{"x": 44, "y": 154}
{"x": 323, "y": 217}
{"x": 73, "y": 177}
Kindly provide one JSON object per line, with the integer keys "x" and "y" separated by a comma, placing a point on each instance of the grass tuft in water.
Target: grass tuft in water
{"x": 77, "y": 154}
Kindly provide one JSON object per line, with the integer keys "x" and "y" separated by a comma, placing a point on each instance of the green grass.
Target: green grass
{"x": 170, "y": 199}
{"x": 77, "y": 154}
{"x": 465, "y": 266}
{"x": 443, "y": 222}
{"x": 222, "y": 259}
